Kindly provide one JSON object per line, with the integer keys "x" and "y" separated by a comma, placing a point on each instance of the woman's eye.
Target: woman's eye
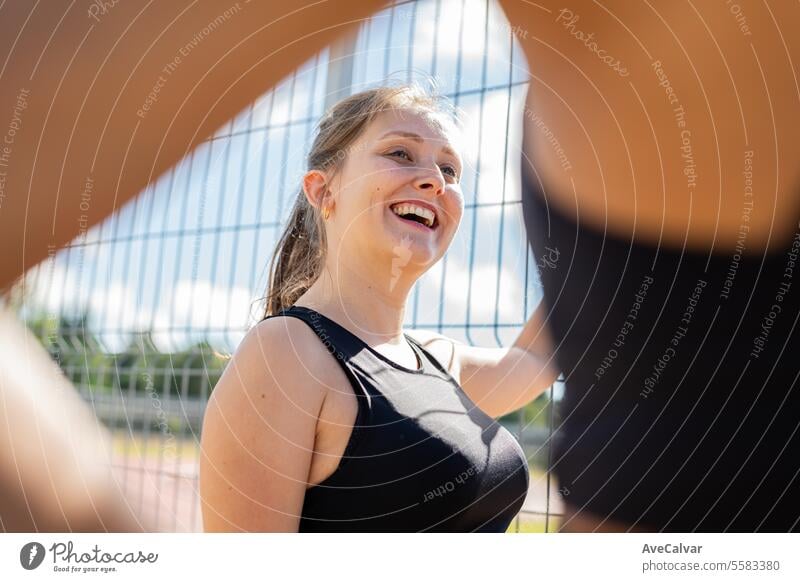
{"x": 452, "y": 170}
{"x": 400, "y": 152}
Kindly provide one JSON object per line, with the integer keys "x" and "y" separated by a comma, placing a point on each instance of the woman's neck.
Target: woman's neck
{"x": 355, "y": 301}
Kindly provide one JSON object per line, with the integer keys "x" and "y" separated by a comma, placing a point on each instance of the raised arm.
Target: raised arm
{"x": 100, "y": 99}
{"x": 499, "y": 380}
{"x": 671, "y": 120}
{"x": 259, "y": 431}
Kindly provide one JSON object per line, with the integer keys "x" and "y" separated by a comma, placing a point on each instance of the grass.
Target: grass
{"x": 153, "y": 446}
{"x": 533, "y": 524}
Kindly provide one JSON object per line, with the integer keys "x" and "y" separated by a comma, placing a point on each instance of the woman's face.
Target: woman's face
{"x": 404, "y": 160}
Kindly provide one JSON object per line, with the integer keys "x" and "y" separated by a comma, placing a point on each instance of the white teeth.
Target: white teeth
{"x": 405, "y": 208}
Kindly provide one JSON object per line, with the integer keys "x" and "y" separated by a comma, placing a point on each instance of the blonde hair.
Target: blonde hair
{"x": 301, "y": 250}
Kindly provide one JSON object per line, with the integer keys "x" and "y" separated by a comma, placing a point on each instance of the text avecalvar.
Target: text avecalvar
{"x": 671, "y": 549}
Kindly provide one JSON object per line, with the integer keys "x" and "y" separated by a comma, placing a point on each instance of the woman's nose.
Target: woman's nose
{"x": 431, "y": 180}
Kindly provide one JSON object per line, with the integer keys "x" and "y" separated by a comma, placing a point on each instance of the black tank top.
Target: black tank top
{"x": 682, "y": 402}
{"x": 421, "y": 456}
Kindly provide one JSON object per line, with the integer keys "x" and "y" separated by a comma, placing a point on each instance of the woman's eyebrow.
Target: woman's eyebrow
{"x": 417, "y": 138}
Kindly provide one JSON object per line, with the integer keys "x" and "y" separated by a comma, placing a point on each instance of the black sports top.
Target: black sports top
{"x": 682, "y": 401}
{"x": 421, "y": 456}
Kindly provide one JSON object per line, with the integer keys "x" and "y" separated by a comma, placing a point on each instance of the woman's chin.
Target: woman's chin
{"x": 413, "y": 250}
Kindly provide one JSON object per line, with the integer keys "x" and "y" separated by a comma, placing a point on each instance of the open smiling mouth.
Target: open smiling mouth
{"x": 415, "y": 216}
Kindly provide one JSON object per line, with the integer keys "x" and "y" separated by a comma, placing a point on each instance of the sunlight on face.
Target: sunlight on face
{"x": 407, "y": 157}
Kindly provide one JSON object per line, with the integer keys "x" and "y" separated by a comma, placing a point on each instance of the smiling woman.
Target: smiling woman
{"x": 390, "y": 135}
{"x": 378, "y": 433}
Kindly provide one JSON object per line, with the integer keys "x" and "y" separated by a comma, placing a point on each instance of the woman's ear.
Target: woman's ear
{"x": 315, "y": 185}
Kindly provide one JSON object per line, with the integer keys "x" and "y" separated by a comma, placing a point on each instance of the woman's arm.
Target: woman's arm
{"x": 99, "y": 99}
{"x": 500, "y": 380}
{"x": 667, "y": 121}
{"x": 259, "y": 430}
{"x": 55, "y": 457}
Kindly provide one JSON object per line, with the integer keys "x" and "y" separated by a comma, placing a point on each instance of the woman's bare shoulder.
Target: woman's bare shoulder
{"x": 284, "y": 351}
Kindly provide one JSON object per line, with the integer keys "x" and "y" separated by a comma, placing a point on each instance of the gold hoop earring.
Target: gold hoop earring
{"x": 326, "y": 214}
